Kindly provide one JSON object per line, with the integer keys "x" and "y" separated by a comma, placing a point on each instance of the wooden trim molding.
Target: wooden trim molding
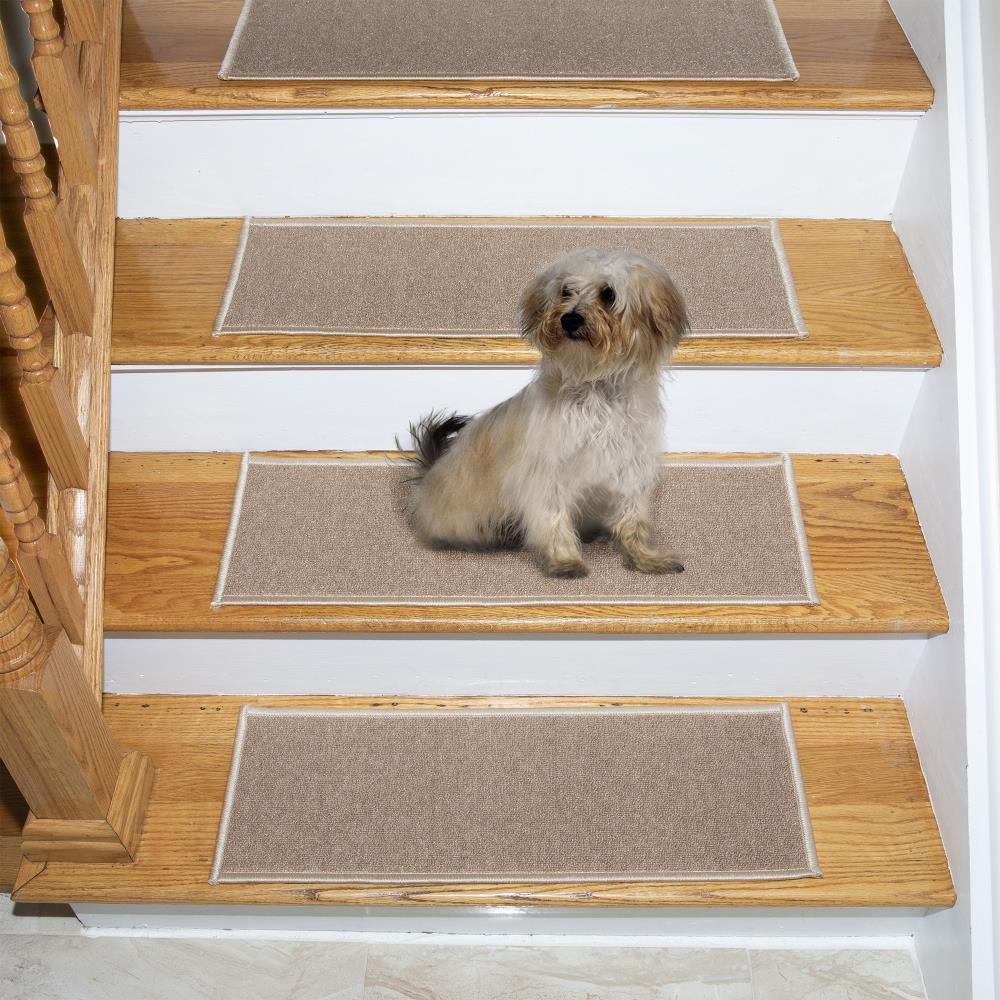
{"x": 851, "y": 54}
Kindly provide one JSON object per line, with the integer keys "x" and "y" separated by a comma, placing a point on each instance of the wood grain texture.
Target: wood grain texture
{"x": 876, "y": 837}
{"x": 53, "y": 738}
{"x": 41, "y": 557}
{"x": 850, "y": 54}
{"x": 86, "y": 364}
{"x": 46, "y": 218}
{"x": 168, "y": 515}
{"x": 13, "y": 813}
{"x": 113, "y": 840}
{"x": 43, "y": 388}
{"x": 858, "y": 298}
{"x": 54, "y": 65}
{"x": 85, "y": 18}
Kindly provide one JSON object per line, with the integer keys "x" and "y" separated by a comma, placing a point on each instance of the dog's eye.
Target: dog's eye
{"x": 566, "y": 291}
{"x": 608, "y": 295}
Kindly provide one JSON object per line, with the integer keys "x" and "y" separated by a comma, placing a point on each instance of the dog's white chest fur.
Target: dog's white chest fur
{"x": 576, "y": 450}
{"x": 601, "y": 435}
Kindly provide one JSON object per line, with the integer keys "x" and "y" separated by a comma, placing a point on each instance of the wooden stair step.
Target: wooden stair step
{"x": 850, "y": 54}
{"x": 876, "y": 837}
{"x": 858, "y": 298}
{"x": 168, "y": 516}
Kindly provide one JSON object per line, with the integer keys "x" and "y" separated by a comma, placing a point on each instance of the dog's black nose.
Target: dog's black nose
{"x": 571, "y": 322}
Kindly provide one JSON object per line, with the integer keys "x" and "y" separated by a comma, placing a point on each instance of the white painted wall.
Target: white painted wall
{"x": 946, "y": 700}
{"x": 989, "y": 47}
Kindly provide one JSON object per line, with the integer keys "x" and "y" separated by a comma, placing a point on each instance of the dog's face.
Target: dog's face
{"x": 596, "y": 313}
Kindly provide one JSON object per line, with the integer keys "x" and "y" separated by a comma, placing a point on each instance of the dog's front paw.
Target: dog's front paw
{"x": 654, "y": 562}
{"x": 568, "y": 569}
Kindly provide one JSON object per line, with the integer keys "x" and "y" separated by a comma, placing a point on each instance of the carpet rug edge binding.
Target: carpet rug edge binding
{"x": 219, "y": 328}
{"x": 251, "y": 458}
{"x": 813, "y": 870}
{"x": 791, "y": 76}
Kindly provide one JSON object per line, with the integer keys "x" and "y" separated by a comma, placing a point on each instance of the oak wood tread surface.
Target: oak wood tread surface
{"x": 858, "y": 297}
{"x": 169, "y": 513}
{"x": 850, "y": 54}
{"x": 875, "y": 833}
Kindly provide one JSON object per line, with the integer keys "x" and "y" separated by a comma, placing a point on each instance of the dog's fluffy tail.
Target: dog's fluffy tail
{"x": 432, "y": 436}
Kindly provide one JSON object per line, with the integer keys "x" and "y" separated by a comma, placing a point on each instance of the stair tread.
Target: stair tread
{"x": 168, "y": 515}
{"x": 876, "y": 837}
{"x": 858, "y": 297}
{"x": 850, "y": 54}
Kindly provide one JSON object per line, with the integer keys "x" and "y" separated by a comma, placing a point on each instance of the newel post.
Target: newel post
{"x": 87, "y": 797}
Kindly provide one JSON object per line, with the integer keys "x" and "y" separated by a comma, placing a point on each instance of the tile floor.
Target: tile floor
{"x": 44, "y": 957}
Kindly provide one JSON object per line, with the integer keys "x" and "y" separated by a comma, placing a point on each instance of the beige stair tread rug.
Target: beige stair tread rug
{"x": 664, "y": 794}
{"x": 462, "y": 279}
{"x": 334, "y": 531}
{"x": 508, "y": 40}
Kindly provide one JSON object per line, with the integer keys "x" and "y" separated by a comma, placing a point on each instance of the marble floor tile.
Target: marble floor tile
{"x": 835, "y": 975}
{"x": 81, "y": 968}
{"x": 458, "y": 972}
{"x": 36, "y": 918}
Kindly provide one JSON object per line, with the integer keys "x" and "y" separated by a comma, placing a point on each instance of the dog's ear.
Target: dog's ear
{"x": 656, "y": 304}
{"x": 533, "y": 305}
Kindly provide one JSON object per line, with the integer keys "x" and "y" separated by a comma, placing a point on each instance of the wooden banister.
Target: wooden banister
{"x": 43, "y": 388}
{"x": 46, "y": 219}
{"x": 40, "y": 555}
{"x": 87, "y": 797}
{"x": 59, "y": 84}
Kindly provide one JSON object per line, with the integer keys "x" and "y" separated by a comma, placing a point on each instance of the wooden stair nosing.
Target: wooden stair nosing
{"x": 169, "y": 514}
{"x": 851, "y": 54}
{"x": 875, "y": 833}
{"x": 858, "y": 297}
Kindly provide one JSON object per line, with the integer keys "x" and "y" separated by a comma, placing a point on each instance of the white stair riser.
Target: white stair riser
{"x": 796, "y": 410}
{"x": 885, "y": 926}
{"x": 438, "y": 666}
{"x": 790, "y": 164}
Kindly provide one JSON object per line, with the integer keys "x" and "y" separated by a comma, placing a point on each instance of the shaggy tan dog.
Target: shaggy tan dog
{"x": 574, "y": 454}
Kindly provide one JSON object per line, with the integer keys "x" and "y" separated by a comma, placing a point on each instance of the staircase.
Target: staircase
{"x": 826, "y": 154}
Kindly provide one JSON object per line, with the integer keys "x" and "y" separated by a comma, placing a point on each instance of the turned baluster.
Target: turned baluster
{"x": 87, "y": 797}
{"x": 43, "y": 388}
{"x": 40, "y": 555}
{"x": 46, "y": 219}
{"x": 62, "y": 95}
{"x": 22, "y": 637}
